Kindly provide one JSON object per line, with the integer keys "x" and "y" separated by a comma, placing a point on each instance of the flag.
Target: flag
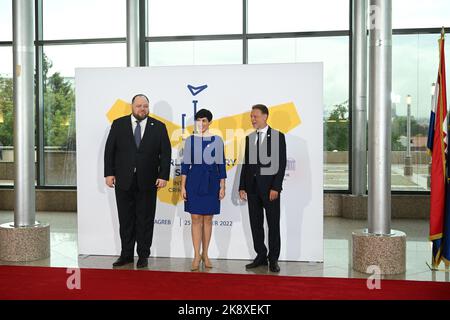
{"x": 437, "y": 144}
{"x": 432, "y": 120}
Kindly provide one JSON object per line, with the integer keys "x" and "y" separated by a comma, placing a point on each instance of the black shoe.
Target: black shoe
{"x": 123, "y": 261}
{"x": 142, "y": 263}
{"x": 256, "y": 263}
{"x": 273, "y": 266}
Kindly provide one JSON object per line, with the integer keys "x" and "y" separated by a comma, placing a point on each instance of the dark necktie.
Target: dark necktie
{"x": 137, "y": 134}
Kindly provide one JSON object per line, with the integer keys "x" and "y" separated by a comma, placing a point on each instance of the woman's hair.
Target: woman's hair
{"x": 203, "y": 113}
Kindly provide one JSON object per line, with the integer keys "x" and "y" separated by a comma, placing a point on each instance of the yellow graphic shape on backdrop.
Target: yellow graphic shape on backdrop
{"x": 232, "y": 129}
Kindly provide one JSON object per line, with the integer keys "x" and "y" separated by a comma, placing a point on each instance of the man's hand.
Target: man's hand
{"x": 273, "y": 195}
{"x": 110, "y": 181}
{"x": 160, "y": 183}
{"x": 243, "y": 195}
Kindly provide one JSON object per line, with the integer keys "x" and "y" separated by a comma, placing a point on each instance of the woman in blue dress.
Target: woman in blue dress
{"x": 203, "y": 177}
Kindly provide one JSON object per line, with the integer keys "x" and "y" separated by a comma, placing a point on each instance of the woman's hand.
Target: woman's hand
{"x": 222, "y": 193}
{"x": 184, "y": 194}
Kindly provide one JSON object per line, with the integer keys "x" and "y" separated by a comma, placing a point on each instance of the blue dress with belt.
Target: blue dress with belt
{"x": 203, "y": 165}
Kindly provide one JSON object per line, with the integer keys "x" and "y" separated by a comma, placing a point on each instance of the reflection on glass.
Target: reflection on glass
{"x": 297, "y": 15}
{"x": 194, "y": 17}
{"x": 80, "y": 19}
{"x": 59, "y": 102}
{"x": 195, "y": 52}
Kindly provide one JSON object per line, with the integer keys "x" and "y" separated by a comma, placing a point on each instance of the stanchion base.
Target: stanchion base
{"x": 387, "y": 252}
{"x": 24, "y": 243}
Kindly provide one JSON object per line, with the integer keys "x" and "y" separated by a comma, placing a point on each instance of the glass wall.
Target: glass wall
{"x": 195, "y": 52}
{"x": 6, "y": 95}
{"x": 194, "y": 17}
{"x": 268, "y": 16}
{"x": 317, "y": 19}
{"x": 414, "y": 14}
{"x": 5, "y": 20}
{"x": 224, "y": 18}
{"x": 83, "y": 19}
{"x": 100, "y": 32}
{"x": 336, "y": 92}
{"x": 91, "y": 33}
{"x": 59, "y": 102}
{"x": 415, "y": 66}
{"x": 6, "y": 117}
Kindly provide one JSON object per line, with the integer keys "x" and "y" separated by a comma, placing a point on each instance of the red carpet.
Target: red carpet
{"x": 50, "y": 283}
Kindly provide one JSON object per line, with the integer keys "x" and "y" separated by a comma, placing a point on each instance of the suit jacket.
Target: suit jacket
{"x": 151, "y": 160}
{"x": 267, "y": 170}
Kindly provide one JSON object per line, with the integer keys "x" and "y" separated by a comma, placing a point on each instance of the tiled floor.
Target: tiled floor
{"x": 337, "y": 251}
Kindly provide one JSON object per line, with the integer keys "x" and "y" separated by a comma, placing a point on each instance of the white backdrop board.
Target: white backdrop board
{"x": 293, "y": 93}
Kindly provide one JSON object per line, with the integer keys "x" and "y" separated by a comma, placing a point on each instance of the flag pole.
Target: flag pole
{"x": 434, "y": 269}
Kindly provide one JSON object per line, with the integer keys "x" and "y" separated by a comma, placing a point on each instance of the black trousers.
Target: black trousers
{"x": 136, "y": 218}
{"x": 258, "y": 201}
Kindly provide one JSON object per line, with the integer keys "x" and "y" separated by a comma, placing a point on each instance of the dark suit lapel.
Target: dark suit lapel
{"x": 148, "y": 130}
{"x": 129, "y": 129}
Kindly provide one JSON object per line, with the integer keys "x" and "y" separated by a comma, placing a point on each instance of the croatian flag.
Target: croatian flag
{"x": 440, "y": 189}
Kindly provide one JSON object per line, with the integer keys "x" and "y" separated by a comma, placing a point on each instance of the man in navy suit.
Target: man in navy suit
{"x": 261, "y": 183}
{"x": 137, "y": 164}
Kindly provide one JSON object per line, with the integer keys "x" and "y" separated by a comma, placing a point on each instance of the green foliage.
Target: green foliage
{"x": 6, "y": 111}
{"x": 59, "y": 121}
{"x": 59, "y": 105}
{"x": 336, "y": 128}
{"x": 399, "y": 130}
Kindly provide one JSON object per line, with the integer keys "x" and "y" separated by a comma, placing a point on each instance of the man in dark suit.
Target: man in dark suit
{"x": 261, "y": 182}
{"x": 137, "y": 164}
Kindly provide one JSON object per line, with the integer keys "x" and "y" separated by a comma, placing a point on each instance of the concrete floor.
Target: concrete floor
{"x": 337, "y": 251}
